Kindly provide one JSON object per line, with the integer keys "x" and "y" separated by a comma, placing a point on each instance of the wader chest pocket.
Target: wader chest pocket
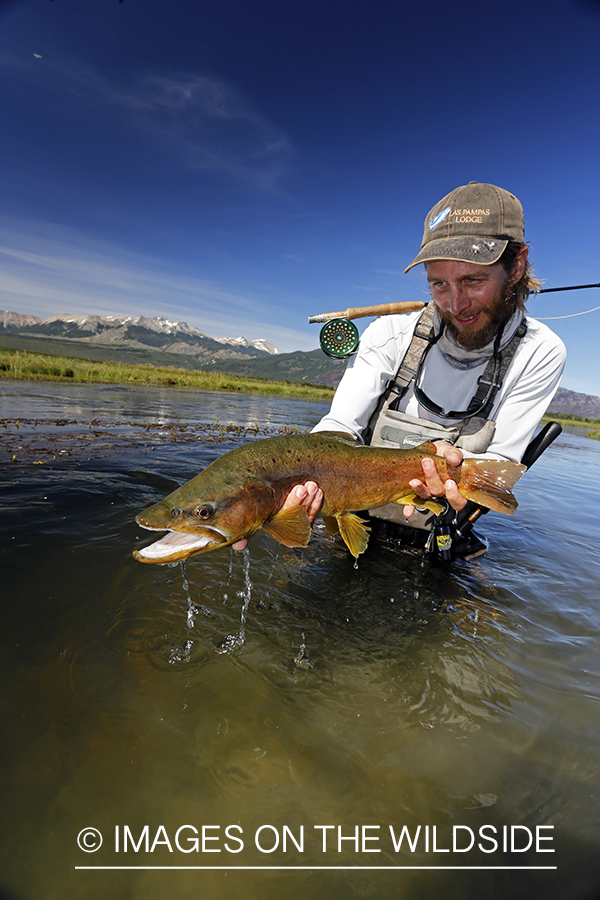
{"x": 401, "y": 438}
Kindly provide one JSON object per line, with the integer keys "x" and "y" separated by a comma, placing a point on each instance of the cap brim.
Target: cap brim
{"x": 483, "y": 251}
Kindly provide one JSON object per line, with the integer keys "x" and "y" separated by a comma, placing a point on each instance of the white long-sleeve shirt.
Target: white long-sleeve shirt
{"x": 529, "y": 385}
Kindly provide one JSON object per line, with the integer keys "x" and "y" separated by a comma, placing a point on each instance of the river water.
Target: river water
{"x": 266, "y": 724}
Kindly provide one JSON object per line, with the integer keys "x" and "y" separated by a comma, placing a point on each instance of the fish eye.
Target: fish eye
{"x": 202, "y": 512}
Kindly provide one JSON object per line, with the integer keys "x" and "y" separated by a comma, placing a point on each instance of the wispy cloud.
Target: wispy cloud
{"x": 202, "y": 123}
{"x": 297, "y": 259}
{"x": 388, "y": 272}
{"x": 209, "y": 126}
{"x": 45, "y": 270}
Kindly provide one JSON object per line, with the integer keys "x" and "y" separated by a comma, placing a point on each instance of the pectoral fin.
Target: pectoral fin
{"x": 414, "y": 500}
{"x": 290, "y": 527}
{"x": 354, "y": 531}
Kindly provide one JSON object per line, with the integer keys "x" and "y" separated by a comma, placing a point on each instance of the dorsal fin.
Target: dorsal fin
{"x": 427, "y": 447}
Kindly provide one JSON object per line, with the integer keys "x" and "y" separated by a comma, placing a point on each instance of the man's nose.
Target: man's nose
{"x": 458, "y": 300}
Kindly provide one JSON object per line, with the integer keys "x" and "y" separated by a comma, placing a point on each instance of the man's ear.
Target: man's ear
{"x": 519, "y": 264}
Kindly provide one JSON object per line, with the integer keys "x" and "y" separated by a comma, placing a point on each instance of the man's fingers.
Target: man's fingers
{"x": 453, "y": 496}
{"x": 314, "y": 498}
{"x": 433, "y": 486}
{"x": 452, "y": 455}
{"x": 434, "y": 483}
{"x": 308, "y": 495}
{"x": 420, "y": 489}
{"x": 296, "y": 496}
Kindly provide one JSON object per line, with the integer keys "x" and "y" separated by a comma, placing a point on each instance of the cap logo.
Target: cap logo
{"x": 469, "y": 215}
{"x": 433, "y": 223}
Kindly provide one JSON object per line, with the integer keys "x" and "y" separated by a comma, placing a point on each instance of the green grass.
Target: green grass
{"x": 568, "y": 419}
{"x": 574, "y": 421}
{"x": 24, "y": 365}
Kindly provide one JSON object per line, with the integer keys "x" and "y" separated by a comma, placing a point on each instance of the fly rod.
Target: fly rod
{"x": 339, "y": 337}
{"x": 390, "y": 309}
{"x": 574, "y": 287}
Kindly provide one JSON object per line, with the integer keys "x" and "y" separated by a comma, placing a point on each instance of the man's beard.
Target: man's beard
{"x": 498, "y": 314}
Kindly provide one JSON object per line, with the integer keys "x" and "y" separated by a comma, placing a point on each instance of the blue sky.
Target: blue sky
{"x": 243, "y": 164}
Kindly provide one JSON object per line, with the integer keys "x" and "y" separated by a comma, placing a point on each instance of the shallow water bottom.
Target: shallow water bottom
{"x": 286, "y": 708}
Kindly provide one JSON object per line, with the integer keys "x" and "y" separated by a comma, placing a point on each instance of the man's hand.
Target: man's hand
{"x": 432, "y": 485}
{"x": 308, "y": 495}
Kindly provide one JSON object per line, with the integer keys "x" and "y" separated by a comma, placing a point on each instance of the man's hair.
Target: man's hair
{"x": 527, "y": 283}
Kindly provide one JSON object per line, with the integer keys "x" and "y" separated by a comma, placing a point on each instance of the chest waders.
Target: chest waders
{"x": 388, "y": 427}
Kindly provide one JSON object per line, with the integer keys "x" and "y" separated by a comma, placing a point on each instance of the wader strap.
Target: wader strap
{"x": 409, "y": 366}
{"x": 487, "y": 379}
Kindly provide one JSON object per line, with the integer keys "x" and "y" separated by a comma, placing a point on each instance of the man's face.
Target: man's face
{"x": 474, "y": 301}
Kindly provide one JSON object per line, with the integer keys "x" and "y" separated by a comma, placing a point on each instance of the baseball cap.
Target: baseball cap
{"x": 473, "y": 224}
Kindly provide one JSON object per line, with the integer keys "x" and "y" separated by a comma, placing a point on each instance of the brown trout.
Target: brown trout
{"x": 244, "y": 490}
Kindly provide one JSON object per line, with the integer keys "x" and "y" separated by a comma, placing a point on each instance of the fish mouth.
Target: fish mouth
{"x": 179, "y": 545}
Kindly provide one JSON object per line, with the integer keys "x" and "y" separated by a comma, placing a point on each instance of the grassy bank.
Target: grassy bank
{"x": 592, "y": 426}
{"x": 23, "y": 365}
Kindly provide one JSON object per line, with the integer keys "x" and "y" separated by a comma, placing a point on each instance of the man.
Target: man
{"x": 472, "y": 373}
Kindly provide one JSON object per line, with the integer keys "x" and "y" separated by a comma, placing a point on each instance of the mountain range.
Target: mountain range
{"x": 572, "y": 403}
{"x": 163, "y": 342}
{"x": 137, "y": 334}
{"x": 131, "y": 331}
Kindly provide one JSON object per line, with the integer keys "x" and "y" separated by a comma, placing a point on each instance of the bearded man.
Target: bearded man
{"x": 471, "y": 373}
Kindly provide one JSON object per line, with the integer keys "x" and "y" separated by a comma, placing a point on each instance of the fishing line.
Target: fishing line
{"x": 570, "y": 316}
{"x": 391, "y": 337}
{"x": 573, "y": 287}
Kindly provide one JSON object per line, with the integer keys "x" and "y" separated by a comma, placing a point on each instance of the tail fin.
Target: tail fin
{"x": 489, "y": 482}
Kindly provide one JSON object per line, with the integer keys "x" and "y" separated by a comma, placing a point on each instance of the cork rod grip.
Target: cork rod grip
{"x": 359, "y": 312}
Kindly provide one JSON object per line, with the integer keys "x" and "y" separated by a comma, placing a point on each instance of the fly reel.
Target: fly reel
{"x": 339, "y": 338}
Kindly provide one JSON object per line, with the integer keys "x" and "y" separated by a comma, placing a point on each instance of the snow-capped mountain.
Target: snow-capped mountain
{"x": 259, "y": 344}
{"x": 137, "y": 332}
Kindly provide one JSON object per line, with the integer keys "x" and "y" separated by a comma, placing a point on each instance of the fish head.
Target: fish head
{"x": 203, "y": 515}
